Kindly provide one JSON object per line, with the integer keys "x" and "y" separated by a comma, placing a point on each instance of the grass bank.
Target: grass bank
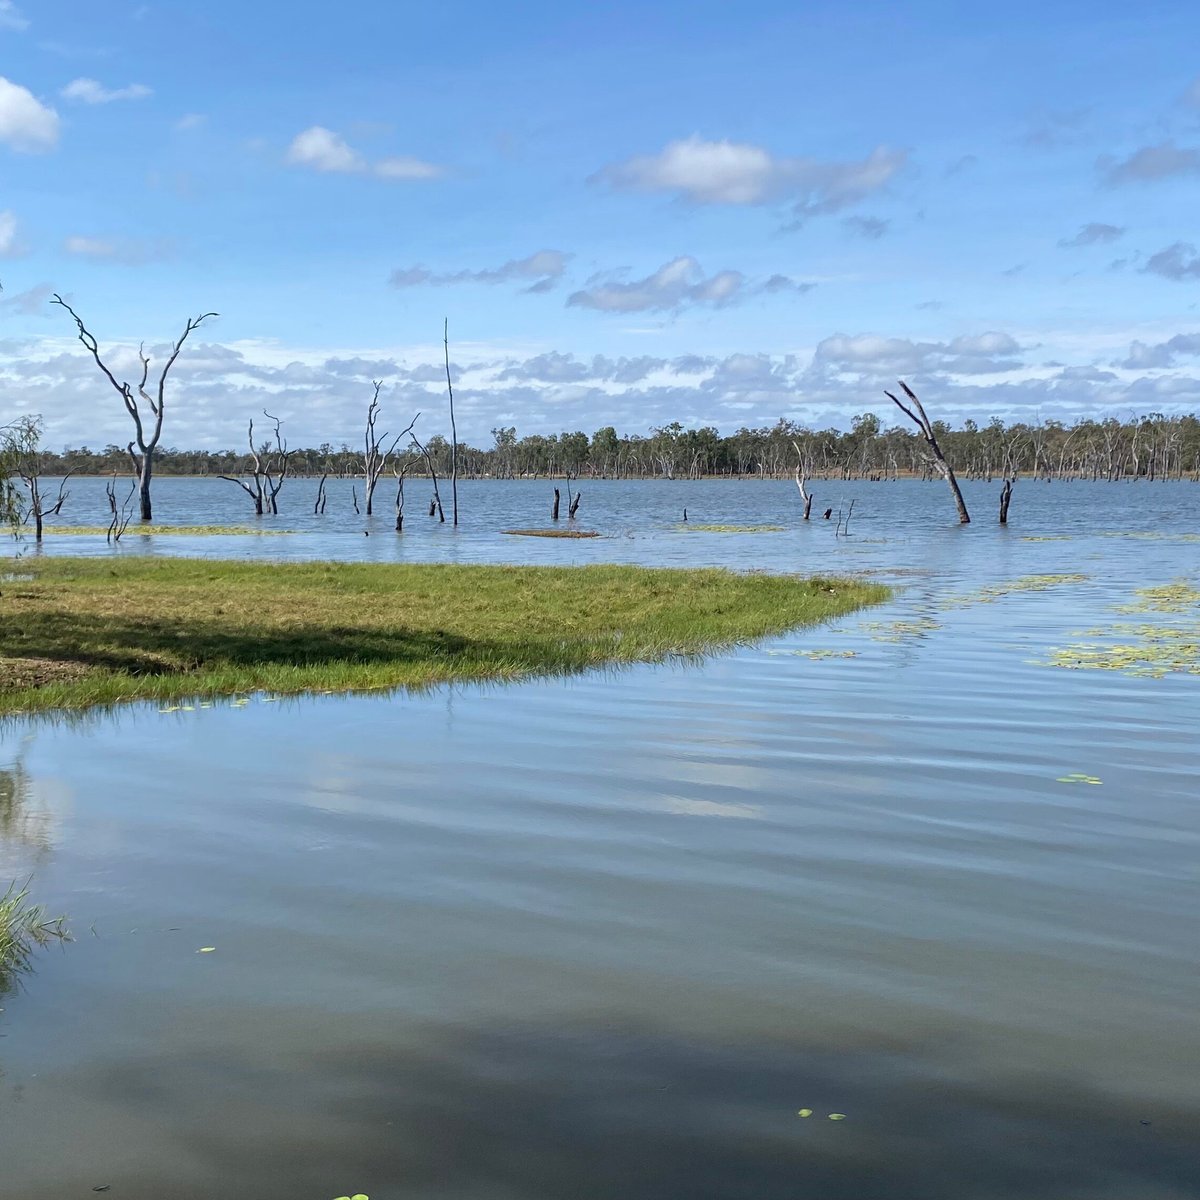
{"x": 86, "y": 631}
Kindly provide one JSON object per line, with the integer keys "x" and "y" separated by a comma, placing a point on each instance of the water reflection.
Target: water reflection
{"x": 25, "y": 824}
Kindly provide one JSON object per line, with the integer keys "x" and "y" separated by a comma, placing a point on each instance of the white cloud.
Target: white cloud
{"x": 323, "y": 150}
{"x": 126, "y": 251}
{"x": 190, "y": 121}
{"x": 88, "y": 91}
{"x": 871, "y": 228}
{"x": 321, "y": 393}
{"x": 676, "y": 284}
{"x": 875, "y": 356}
{"x": 8, "y": 234}
{"x": 320, "y": 149}
{"x": 10, "y": 16}
{"x": 1144, "y": 357}
{"x": 1150, "y": 164}
{"x": 725, "y": 172}
{"x": 1179, "y": 261}
{"x": 542, "y": 270}
{"x": 403, "y": 167}
{"x": 1092, "y": 234}
{"x": 26, "y": 124}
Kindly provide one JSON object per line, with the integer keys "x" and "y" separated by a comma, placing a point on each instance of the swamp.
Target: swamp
{"x": 898, "y": 903}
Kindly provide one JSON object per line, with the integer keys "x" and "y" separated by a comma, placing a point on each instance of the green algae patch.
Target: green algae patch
{"x": 1142, "y": 649}
{"x": 1012, "y": 587}
{"x": 1181, "y": 596}
{"x": 900, "y": 631}
{"x": 816, "y": 655}
{"x": 691, "y": 527}
{"x": 551, "y": 533}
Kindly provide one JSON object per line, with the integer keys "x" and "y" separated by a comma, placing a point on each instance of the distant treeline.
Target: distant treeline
{"x": 1153, "y": 446}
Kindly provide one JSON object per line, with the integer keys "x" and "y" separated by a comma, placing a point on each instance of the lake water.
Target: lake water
{"x": 604, "y": 937}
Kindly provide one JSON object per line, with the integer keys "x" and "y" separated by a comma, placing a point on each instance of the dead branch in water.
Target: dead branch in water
{"x": 800, "y": 477}
{"x": 1005, "y": 500}
{"x": 922, "y": 422}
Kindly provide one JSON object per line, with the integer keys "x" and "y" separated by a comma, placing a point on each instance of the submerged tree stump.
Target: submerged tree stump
{"x": 1005, "y": 498}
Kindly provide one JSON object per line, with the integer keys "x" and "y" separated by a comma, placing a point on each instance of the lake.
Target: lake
{"x": 606, "y": 937}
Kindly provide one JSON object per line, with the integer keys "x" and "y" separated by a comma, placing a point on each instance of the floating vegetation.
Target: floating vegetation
{"x": 1152, "y": 652}
{"x": 552, "y": 533}
{"x": 897, "y": 631}
{"x": 1151, "y": 535}
{"x": 817, "y": 654}
{"x": 1026, "y": 583}
{"x": 1078, "y": 777}
{"x": 805, "y": 1112}
{"x": 1148, "y": 651}
{"x": 837, "y": 1116}
{"x": 692, "y": 528}
{"x": 162, "y": 530}
{"x": 1054, "y": 537}
{"x": 1179, "y": 597}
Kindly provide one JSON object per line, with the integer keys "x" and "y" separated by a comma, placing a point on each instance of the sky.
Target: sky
{"x": 629, "y": 213}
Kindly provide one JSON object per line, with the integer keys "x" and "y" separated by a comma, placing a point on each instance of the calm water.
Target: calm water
{"x": 604, "y": 937}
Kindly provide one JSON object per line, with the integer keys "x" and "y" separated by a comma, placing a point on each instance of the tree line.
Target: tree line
{"x": 1151, "y": 446}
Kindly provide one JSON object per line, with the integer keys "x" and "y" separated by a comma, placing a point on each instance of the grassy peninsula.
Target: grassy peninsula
{"x": 95, "y": 631}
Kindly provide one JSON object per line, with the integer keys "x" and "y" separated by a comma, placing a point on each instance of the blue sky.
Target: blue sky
{"x": 630, "y": 213}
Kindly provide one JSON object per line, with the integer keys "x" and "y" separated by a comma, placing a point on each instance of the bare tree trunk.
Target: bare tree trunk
{"x": 1005, "y": 498}
{"x": 453, "y": 427}
{"x": 923, "y": 423}
{"x": 144, "y": 476}
{"x": 554, "y": 507}
{"x": 319, "y": 504}
{"x": 574, "y": 506}
{"x": 436, "y": 504}
{"x": 804, "y": 495}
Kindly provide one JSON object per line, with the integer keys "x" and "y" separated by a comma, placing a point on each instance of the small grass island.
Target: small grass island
{"x": 79, "y": 632}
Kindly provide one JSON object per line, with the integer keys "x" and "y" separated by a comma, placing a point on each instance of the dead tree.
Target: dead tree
{"x": 800, "y": 475}
{"x": 572, "y": 502}
{"x": 554, "y": 506}
{"x": 574, "y": 506}
{"x": 319, "y": 503}
{"x": 147, "y": 425}
{"x": 1005, "y": 499}
{"x": 435, "y": 504}
{"x": 121, "y": 514}
{"x": 922, "y": 422}
{"x": 374, "y": 457}
{"x": 266, "y": 484}
{"x": 453, "y": 427}
{"x": 400, "y": 470}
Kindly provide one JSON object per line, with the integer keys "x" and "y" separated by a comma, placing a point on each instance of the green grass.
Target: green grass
{"x": 22, "y": 927}
{"x": 158, "y": 530}
{"x": 94, "y": 631}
